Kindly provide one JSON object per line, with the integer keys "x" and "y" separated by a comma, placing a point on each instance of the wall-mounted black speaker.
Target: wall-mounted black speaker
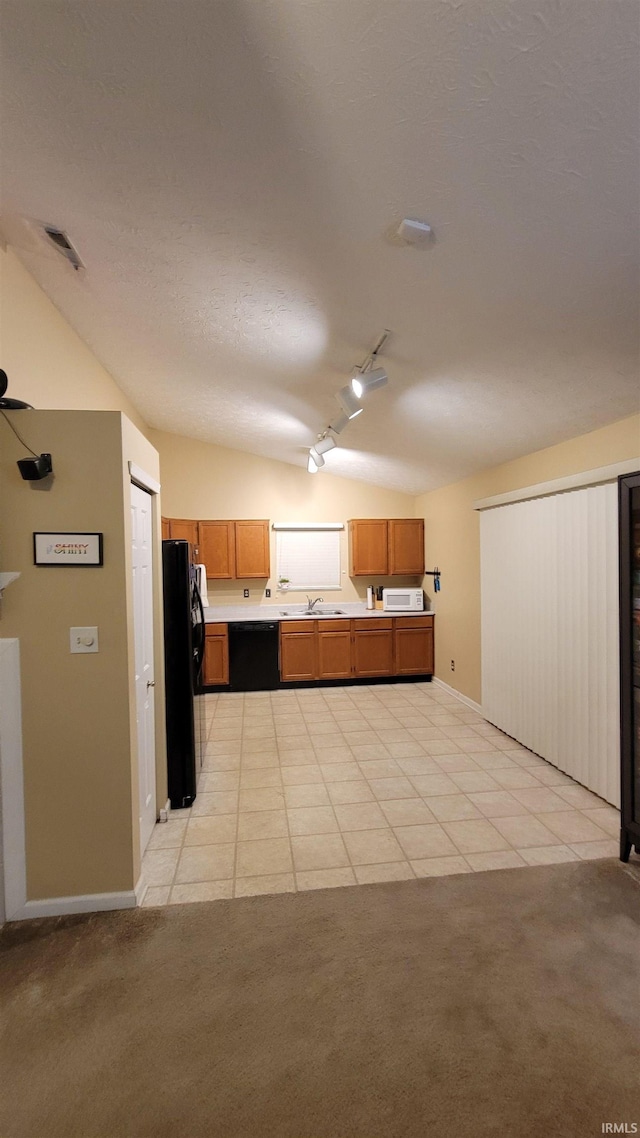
{"x": 33, "y": 469}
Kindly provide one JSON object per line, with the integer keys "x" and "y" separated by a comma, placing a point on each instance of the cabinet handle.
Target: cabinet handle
{"x": 151, "y": 683}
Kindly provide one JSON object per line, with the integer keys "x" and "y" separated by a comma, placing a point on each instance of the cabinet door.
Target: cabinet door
{"x": 373, "y": 652}
{"x": 216, "y": 654}
{"x": 217, "y": 549}
{"x": 414, "y": 651}
{"x": 406, "y": 546}
{"x": 298, "y": 656}
{"x": 252, "y": 549}
{"x": 166, "y": 529}
{"x": 368, "y": 547}
{"x": 334, "y": 654}
{"x": 181, "y": 530}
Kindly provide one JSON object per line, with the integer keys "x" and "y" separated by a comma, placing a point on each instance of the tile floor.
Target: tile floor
{"x": 320, "y": 787}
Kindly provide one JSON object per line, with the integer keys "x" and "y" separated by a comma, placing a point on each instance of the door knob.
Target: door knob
{"x": 151, "y": 683}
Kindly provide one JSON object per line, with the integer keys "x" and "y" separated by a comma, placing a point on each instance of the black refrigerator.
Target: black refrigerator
{"x": 184, "y": 634}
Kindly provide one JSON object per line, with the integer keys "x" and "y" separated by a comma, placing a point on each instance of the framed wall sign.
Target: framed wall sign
{"x": 67, "y": 549}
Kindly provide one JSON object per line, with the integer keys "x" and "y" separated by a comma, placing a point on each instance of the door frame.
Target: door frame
{"x": 145, "y": 481}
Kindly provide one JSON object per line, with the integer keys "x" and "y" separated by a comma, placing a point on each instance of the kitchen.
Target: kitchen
{"x": 268, "y": 350}
{"x": 408, "y": 920}
{"x": 327, "y": 776}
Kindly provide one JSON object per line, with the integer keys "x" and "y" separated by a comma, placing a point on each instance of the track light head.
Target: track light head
{"x": 315, "y": 461}
{"x": 349, "y": 402}
{"x": 324, "y": 444}
{"x": 338, "y": 425}
{"x": 365, "y": 381}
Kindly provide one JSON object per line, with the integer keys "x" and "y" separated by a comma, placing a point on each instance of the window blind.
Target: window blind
{"x": 309, "y": 559}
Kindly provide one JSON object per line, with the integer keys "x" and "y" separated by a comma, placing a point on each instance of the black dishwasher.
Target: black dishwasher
{"x": 253, "y": 656}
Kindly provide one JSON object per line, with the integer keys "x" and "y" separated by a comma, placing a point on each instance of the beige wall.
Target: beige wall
{"x": 452, "y": 538}
{"x": 47, "y": 363}
{"x": 80, "y": 762}
{"x": 203, "y": 481}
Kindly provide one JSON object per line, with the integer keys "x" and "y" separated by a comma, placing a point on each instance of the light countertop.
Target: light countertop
{"x": 226, "y": 614}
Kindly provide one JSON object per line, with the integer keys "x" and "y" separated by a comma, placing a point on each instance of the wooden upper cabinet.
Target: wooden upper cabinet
{"x": 386, "y": 547}
{"x": 183, "y": 530}
{"x": 368, "y": 547}
{"x": 217, "y": 549}
{"x": 252, "y": 548}
{"x": 406, "y": 546}
{"x": 229, "y": 549}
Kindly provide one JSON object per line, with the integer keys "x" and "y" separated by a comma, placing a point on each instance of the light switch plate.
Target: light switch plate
{"x": 83, "y": 639}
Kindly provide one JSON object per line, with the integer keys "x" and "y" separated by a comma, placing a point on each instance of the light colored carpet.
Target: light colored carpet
{"x": 502, "y": 1003}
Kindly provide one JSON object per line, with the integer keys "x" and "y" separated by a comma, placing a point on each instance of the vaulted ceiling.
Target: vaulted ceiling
{"x": 233, "y": 174}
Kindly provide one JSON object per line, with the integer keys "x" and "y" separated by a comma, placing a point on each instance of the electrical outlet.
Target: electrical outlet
{"x": 453, "y": 665}
{"x": 245, "y": 592}
{"x": 267, "y": 592}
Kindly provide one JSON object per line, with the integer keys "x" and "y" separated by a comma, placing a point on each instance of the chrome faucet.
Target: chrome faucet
{"x": 311, "y": 603}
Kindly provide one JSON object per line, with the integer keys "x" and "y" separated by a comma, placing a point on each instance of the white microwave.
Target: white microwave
{"x": 404, "y": 600}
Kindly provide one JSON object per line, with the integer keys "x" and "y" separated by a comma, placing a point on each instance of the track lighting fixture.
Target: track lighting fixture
{"x": 349, "y": 402}
{"x": 367, "y": 377}
{"x": 338, "y": 425}
{"x": 324, "y": 443}
{"x": 315, "y": 461}
{"x": 365, "y": 381}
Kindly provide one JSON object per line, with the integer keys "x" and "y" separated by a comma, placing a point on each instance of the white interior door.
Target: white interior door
{"x": 141, "y": 541}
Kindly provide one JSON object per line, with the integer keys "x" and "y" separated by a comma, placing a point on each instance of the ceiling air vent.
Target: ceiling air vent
{"x": 62, "y": 243}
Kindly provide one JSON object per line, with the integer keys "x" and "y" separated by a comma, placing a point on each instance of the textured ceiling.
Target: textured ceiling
{"x": 233, "y": 173}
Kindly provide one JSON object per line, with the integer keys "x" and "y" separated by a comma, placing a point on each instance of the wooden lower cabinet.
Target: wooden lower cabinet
{"x": 298, "y": 653}
{"x": 334, "y": 650}
{"x": 413, "y": 646}
{"x": 216, "y": 655}
{"x": 360, "y": 648}
{"x": 373, "y": 648}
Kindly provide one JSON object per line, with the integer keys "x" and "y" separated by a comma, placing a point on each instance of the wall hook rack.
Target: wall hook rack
{"x": 435, "y": 573}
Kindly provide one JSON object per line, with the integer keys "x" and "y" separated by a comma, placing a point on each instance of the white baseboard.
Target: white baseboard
{"x": 140, "y": 890}
{"x": 84, "y": 903}
{"x": 463, "y": 698}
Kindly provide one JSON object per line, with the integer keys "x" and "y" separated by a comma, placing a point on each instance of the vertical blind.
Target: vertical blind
{"x": 549, "y": 603}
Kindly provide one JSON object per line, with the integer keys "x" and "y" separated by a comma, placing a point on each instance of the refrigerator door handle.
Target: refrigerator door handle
{"x": 200, "y": 647}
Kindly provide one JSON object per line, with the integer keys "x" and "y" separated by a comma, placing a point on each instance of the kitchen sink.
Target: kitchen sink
{"x": 314, "y": 612}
